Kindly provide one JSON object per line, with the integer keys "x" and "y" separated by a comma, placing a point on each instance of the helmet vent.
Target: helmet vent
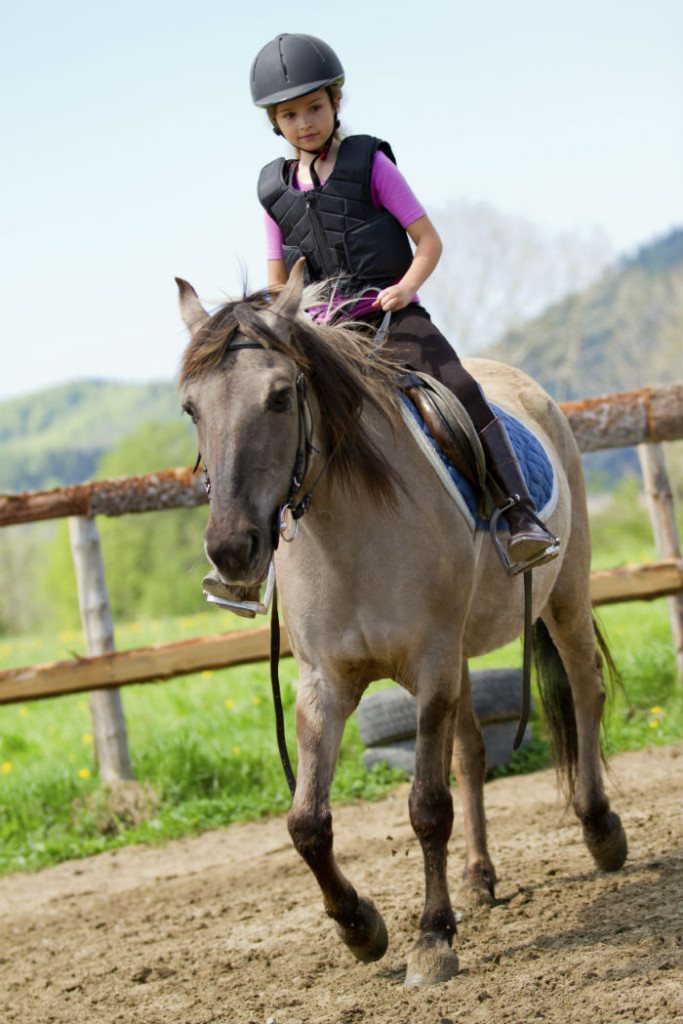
{"x": 282, "y": 59}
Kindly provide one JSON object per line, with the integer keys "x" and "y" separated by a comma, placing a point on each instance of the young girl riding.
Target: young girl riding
{"x": 345, "y": 206}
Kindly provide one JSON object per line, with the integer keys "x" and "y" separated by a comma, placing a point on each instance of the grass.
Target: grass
{"x": 203, "y": 747}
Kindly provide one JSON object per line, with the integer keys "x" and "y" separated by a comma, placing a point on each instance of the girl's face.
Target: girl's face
{"x": 307, "y": 121}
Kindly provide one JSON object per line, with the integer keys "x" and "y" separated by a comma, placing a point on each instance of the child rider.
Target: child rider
{"x": 345, "y": 206}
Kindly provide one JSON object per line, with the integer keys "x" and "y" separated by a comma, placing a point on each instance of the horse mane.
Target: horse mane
{"x": 336, "y": 360}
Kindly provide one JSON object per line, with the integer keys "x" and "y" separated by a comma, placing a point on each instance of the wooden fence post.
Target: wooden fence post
{"x": 109, "y": 725}
{"x": 661, "y": 507}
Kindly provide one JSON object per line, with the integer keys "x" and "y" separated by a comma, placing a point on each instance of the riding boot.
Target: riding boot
{"x": 213, "y": 585}
{"x": 529, "y": 540}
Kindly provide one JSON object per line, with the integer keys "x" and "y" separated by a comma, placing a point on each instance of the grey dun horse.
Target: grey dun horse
{"x": 387, "y": 580}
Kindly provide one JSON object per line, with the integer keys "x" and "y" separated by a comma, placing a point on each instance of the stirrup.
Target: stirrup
{"x": 247, "y": 609}
{"x": 516, "y": 568}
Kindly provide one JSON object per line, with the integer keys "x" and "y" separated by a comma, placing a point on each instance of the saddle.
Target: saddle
{"x": 442, "y": 428}
{"x": 451, "y": 427}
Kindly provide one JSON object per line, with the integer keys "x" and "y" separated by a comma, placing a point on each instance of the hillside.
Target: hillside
{"x": 623, "y": 332}
{"x": 57, "y": 436}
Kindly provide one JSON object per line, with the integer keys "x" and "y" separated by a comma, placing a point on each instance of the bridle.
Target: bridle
{"x": 290, "y": 508}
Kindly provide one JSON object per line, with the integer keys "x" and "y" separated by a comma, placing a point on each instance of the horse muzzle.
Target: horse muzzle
{"x": 240, "y": 554}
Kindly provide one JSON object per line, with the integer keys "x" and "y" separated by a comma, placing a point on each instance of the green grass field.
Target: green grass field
{"x": 203, "y": 747}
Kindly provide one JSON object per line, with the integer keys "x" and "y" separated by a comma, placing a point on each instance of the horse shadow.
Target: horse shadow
{"x": 626, "y": 910}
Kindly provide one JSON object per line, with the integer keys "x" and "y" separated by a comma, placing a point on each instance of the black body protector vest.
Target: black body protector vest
{"x": 343, "y": 236}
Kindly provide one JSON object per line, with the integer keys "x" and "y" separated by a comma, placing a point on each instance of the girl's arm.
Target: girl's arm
{"x": 428, "y": 249}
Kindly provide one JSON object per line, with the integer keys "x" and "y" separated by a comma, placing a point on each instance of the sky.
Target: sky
{"x": 131, "y": 149}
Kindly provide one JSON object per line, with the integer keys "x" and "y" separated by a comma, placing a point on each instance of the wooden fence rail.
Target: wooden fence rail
{"x": 159, "y": 662}
{"x": 643, "y": 416}
{"x": 626, "y": 418}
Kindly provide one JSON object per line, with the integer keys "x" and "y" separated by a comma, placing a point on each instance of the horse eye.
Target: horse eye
{"x": 280, "y": 400}
{"x": 191, "y": 411}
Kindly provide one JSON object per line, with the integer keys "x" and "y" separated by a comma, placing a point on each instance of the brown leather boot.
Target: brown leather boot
{"x": 529, "y": 540}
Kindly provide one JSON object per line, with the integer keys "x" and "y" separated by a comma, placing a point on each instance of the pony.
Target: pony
{"x": 386, "y": 579}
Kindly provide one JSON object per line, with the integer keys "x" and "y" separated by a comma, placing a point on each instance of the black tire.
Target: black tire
{"x": 387, "y": 717}
{"x": 498, "y": 738}
{"x": 399, "y": 755}
{"x": 497, "y": 694}
{"x": 390, "y": 715}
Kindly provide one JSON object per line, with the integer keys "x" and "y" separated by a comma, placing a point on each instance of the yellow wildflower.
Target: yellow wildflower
{"x": 84, "y": 773}
{"x": 207, "y": 672}
{"x": 6, "y": 766}
{"x": 86, "y": 738}
{"x": 237, "y": 750}
{"x": 24, "y": 712}
{"x": 229, "y": 703}
{"x": 256, "y": 700}
{"x": 656, "y": 710}
{"x": 654, "y": 724}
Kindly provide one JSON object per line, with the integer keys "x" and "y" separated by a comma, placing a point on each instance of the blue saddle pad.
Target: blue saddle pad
{"x": 533, "y": 459}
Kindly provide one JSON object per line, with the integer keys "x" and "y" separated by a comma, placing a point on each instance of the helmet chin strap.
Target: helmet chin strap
{"x": 321, "y": 154}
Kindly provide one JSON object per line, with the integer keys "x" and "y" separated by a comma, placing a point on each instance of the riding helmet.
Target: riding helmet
{"x": 292, "y": 65}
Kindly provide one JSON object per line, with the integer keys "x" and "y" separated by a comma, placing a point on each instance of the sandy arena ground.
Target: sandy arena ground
{"x": 228, "y": 927}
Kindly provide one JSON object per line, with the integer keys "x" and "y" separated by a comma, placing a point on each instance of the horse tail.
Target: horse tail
{"x": 556, "y": 698}
{"x": 558, "y": 706}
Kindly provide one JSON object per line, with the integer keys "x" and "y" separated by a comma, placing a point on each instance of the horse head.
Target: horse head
{"x": 239, "y": 387}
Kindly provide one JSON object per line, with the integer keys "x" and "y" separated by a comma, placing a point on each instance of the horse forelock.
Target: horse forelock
{"x": 335, "y": 359}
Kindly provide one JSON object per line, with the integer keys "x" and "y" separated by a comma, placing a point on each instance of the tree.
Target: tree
{"x": 154, "y": 561}
{"x": 497, "y": 271}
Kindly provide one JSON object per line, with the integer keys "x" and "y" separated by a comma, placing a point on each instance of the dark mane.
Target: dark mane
{"x": 335, "y": 361}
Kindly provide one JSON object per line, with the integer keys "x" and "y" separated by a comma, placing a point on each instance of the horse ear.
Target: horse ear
{"x": 191, "y": 309}
{"x": 289, "y": 300}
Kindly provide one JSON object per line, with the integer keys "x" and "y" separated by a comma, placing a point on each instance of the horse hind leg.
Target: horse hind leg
{"x": 321, "y": 714}
{"x": 469, "y": 764}
{"x": 432, "y": 959}
{"x": 573, "y": 695}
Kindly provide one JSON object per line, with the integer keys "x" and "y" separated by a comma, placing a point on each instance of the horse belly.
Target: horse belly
{"x": 496, "y": 616}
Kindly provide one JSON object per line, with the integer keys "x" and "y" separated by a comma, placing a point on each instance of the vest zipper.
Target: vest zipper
{"x": 319, "y": 233}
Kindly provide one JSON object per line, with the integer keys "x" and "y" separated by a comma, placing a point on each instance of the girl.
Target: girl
{"x": 344, "y": 205}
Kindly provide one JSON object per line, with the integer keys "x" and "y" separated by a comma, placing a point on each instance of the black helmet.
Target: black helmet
{"x": 292, "y": 65}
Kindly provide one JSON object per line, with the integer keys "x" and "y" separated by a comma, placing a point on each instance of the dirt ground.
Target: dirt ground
{"x": 228, "y": 927}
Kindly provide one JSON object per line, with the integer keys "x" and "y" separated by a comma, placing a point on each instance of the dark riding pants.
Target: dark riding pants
{"x": 414, "y": 341}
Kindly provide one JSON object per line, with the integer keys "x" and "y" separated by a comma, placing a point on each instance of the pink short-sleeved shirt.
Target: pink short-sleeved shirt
{"x": 389, "y": 189}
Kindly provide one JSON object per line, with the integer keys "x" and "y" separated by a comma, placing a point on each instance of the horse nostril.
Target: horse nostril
{"x": 235, "y": 556}
{"x": 253, "y": 546}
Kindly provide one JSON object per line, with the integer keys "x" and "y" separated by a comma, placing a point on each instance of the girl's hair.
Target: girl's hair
{"x": 334, "y": 91}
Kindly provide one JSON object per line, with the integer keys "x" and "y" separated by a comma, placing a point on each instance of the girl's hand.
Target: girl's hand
{"x": 395, "y": 297}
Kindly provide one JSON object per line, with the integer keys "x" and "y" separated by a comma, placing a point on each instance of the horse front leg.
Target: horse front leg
{"x": 322, "y": 710}
{"x": 432, "y": 958}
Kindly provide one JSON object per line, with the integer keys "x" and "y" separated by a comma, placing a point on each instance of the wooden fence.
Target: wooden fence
{"x": 643, "y": 418}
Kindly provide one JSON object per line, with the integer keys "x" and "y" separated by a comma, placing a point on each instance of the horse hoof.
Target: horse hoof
{"x": 475, "y": 898}
{"x": 478, "y": 887}
{"x": 366, "y": 936}
{"x": 606, "y": 841}
{"x": 431, "y": 961}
